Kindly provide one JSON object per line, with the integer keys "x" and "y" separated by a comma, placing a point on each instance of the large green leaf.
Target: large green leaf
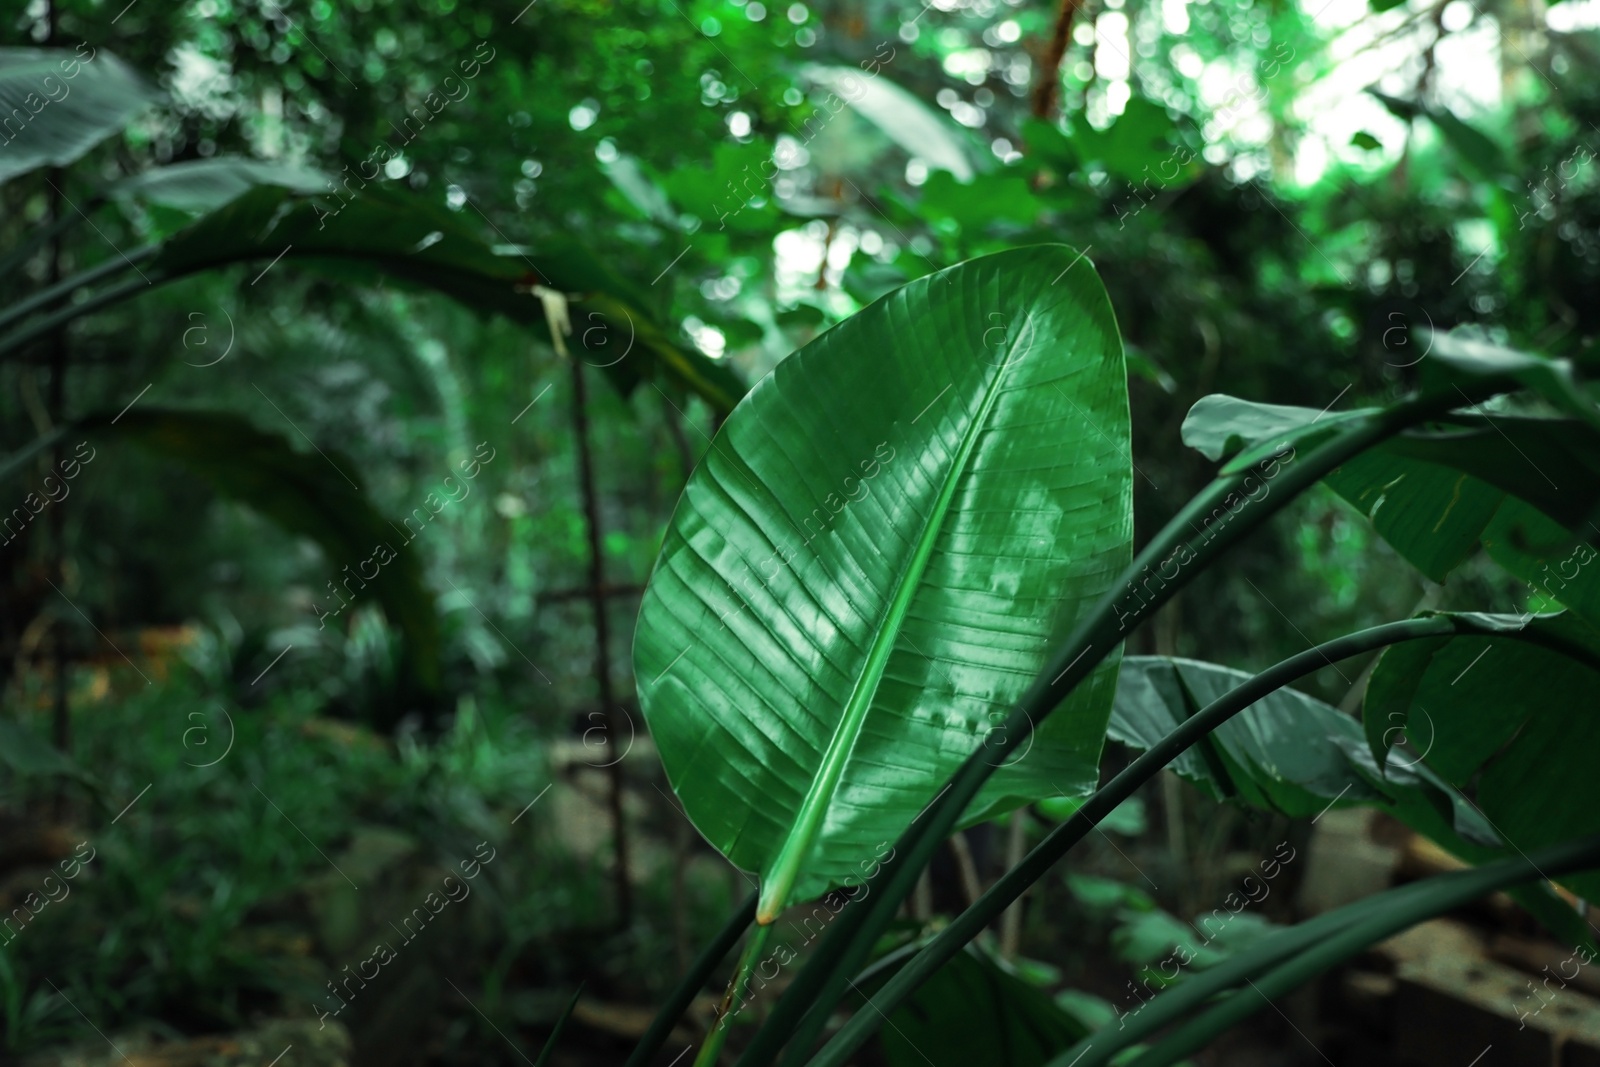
{"x": 306, "y": 493}
{"x": 378, "y": 232}
{"x": 871, "y": 564}
{"x": 55, "y": 105}
{"x": 1511, "y": 720}
{"x": 1287, "y": 752}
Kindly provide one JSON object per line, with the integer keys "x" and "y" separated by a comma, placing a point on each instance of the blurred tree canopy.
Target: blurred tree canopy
{"x": 1278, "y": 196}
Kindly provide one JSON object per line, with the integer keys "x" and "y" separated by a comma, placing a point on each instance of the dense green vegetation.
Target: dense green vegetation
{"x": 605, "y": 462}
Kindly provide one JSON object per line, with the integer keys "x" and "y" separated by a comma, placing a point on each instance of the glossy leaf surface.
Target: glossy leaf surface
{"x": 1287, "y": 752}
{"x": 1524, "y": 488}
{"x": 875, "y": 557}
{"x": 1513, "y": 721}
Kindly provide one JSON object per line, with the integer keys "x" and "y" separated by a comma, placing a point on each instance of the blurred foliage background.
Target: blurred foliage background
{"x": 1278, "y": 195}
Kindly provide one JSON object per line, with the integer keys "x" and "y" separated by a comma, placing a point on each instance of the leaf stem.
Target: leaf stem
{"x": 737, "y": 985}
{"x": 971, "y": 922}
{"x": 804, "y": 1008}
{"x": 65, "y": 287}
{"x": 61, "y": 316}
{"x": 683, "y": 994}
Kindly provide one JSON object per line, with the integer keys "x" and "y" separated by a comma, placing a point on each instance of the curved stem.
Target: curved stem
{"x": 1444, "y": 893}
{"x": 810, "y": 998}
{"x": 43, "y": 236}
{"x": 61, "y": 316}
{"x": 67, "y": 286}
{"x": 691, "y": 983}
{"x": 1003, "y": 893}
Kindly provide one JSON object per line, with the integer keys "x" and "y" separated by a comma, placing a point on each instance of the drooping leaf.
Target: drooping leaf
{"x": 1527, "y": 488}
{"x": 207, "y": 184}
{"x": 55, "y": 105}
{"x": 906, "y": 120}
{"x": 307, "y": 493}
{"x": 377, "y": 232}
{"x": 1510, "y": 719}
{"x": 1225, "y": 427}
{"x": 975, "y": 1010}
{"x": 1287, "y": 752}
{"x": 1455, "y": 358}
{"x": 873, "y": 560}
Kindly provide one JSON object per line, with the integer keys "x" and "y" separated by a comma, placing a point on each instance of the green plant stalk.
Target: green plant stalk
{"x": 737, "y": 985}
{"x": 691, "y": 983}
{"x": 561, "y": 1024}
{"x": 43, "y": 236}
{"x": 1101, "y": 1047}
{"x": 1005, "y": 892}
{"x": 67, "y": 286}
{"x": 1445, "y": 893}
{"x": 823, "y": 980}
{"x": 61, "y": 316}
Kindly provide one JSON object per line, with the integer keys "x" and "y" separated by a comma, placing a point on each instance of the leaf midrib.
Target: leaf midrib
{"x": 784, "y": 871}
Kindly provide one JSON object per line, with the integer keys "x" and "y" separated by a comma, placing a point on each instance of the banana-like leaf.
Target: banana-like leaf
{"x": 873, "y": 560}
{"x": 207, "y": 184}
{"x": 55, "y": 105}
{"x": 308, "y": 494}
{"x": 372, "y": 232}
{"x": 1287, "y": 752}
{"x": 1526, "y": 489}
{"x": 1513, "y": 720}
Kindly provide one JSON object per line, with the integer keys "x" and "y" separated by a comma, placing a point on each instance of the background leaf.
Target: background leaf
{"x": 309, "y": 494}
{"x": 58, "y": 104}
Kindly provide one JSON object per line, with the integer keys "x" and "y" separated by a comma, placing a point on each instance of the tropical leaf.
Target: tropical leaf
{"x": 871, "y": 564}
{"x": 1287, "y": 752}
{"x": 378, "y": 232}
{"x": 207, "y": 184}
{"x": 55, "y": 105}
{"x": 310, "y": 494}
{"x": 1508, "y": 718}
{"x": 1527, "y": 489}
{"x": 907, "y": 121}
